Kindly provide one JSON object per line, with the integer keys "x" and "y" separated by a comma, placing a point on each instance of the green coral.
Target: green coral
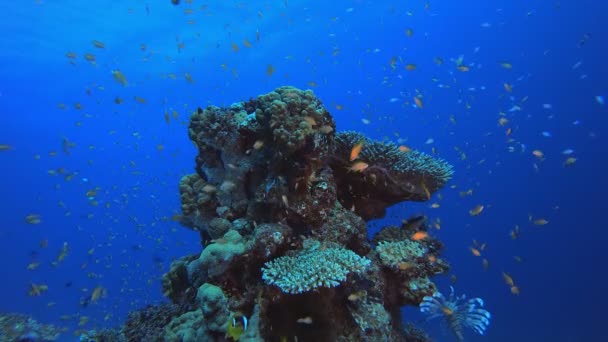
{"x": 393, "y": 253}
{"x": 188, "y": 327}
{"x": 217, "y": 256}
{"x": 312, "y": 269}
{"x": 214, "y": 305}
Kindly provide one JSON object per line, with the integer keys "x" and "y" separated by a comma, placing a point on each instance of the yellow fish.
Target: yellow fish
{"x": 358, "y": 166}
{"x": 119, "y": 77}
{"x": 477, "y": 210}
{"x": 354, "y": 153}
{"x": 270, "y": 70}
{"x": 98, "y": 44}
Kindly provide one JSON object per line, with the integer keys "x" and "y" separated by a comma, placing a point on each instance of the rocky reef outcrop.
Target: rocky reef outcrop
{"x": 281, "y": 210}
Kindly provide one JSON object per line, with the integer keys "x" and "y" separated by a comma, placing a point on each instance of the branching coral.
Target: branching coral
{"x": 457, "y": 312}
{"x": 394, "y": 254}
{"x": 312, "y": 269}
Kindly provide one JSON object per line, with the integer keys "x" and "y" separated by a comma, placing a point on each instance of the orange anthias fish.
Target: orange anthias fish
{"x": 354, "y": 153}
{"x": 419, "y": 235}
{"x": 404, "y": 149}
{"x": 508, "y": 279}
{"x": 477, "y": 210}
{"x": 358, "y": 166}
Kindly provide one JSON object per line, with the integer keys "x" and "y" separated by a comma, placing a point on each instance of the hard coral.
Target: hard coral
{"x": 148, "y": 324}
{"x": 313, "y": 268}
{"x": 18, "y": 327}
{"x": 392, "y": 176}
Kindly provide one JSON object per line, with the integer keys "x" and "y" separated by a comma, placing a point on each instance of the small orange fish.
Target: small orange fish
{"x": 420, "y": 235}
{"x": 326, "y": 129}
{"x": 98, "y": 44}
{"x": 358, "y": 166}
{"x": 515, "y": 290}
{"x": 90, "y": 57}
{"x": 404, "y": 266}
{"x": 475, "y": 251}
{"x": 418, "y": 102}
{"x": 353, "y": 297}
{"x": 140, "y": 99}
{"x": 540, "y": 222}
{"x": 477, "y": 210}
{"x": 311, "y": 121}
{"x": 393, "y": 63}
{"x": 410, "y": 67}
{"x": 270, "y": 70}
{"x": 538, "y": 154}
{"x": 506, "y": 65}
{"x": 33, "y": 219}
{"x": 354, "y": 153}
{"x": 404, "y": 149}
{"x": 258, "y": 144}
{"x": 463, "y": 68}
{"x": 426, "y": 190}
{"x": 570, "y": 161}
{"x": 514, "y": 233}
{"x": 37, "y": 289}
{"x": 508, "y": 87}
{"x": 508, "y": 279}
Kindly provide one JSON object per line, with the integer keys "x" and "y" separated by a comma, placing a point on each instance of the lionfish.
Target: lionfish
{"x": 457, "y": 312}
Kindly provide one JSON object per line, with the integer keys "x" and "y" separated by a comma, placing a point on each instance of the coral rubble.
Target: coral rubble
{"x": 282, "y": 216}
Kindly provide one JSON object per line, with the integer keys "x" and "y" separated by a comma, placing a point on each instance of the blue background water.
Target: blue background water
{"x": 346, "y": 49}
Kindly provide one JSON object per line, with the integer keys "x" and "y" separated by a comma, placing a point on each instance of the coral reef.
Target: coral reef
{"x": 282, "y": 215}
{"x": 17, "y": 327}
{"x": 148, "y": 324}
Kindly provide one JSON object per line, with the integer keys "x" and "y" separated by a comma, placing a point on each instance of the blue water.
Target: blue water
{"x": 127, "y": 241}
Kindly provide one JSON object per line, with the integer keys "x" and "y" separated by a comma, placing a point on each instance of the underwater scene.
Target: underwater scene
{"x": 292, "y": 171}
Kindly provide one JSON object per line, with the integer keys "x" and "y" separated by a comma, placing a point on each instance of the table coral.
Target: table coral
{"x": 313, "y": 268}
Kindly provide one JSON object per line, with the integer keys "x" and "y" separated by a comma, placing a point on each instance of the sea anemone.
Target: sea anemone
{"x": 457, "y": 312}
